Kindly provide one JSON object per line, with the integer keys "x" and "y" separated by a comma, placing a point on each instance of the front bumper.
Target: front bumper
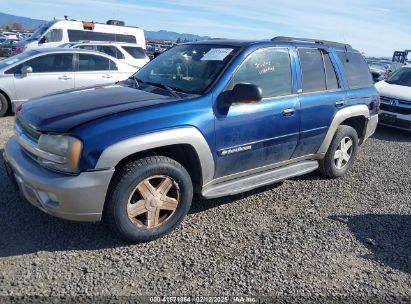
{"x": 402, "y": 122}
{"x": 72, "y": 197}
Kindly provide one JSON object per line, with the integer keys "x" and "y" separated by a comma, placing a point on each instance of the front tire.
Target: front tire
{"x": 150, "y": 197}
{"x": 341, "y": 154}
{"x": 4, "y": 105}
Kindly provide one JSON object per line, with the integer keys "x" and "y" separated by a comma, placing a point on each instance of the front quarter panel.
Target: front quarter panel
{"x": 103, "y": 133}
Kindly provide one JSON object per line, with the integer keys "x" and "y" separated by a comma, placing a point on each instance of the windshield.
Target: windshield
{"x": 39, "y": 32}
{"x": 189, "y": 68}
{"x": 13, "y": 59}
{"x": 402, "y": 77}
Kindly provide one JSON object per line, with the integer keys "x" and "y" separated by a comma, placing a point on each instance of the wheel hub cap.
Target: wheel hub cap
{"x": 343, "y": 153}
{"x": 153, "y": 201}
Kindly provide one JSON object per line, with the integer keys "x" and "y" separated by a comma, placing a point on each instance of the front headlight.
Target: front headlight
{"x": 66, "y": 149}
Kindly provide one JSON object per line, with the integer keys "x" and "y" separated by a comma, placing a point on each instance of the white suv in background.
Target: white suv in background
{"x": 395, "y": 97}
{"x": 129, "y": 53}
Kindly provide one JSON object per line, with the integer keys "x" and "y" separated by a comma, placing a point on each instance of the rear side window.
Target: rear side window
{"x": 135, "y": 52}
{"x": 268, "y": 68}
{"x": 110, "y": 50}
{"x": 312, "y": 70}
{"x": 91, "y": 63}
{"x": 78, "y": 35}
{"x": 356, "y": 70}
{"x": 331, "y": 76}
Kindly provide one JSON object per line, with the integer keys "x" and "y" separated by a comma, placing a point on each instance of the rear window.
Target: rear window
{"x": 356, "y": 70}
{"x": 135, "y": 52}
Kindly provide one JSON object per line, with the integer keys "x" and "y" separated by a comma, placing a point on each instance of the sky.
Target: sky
{"x": 375, "y": 27}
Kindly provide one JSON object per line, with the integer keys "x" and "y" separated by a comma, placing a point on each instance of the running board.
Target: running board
{"x": 250, "y": 182}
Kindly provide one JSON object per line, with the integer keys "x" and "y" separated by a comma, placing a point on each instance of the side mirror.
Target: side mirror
{"x": 242, "y": 93}
{"x": 25, "y": 70}
{"x": 42, "y": 40}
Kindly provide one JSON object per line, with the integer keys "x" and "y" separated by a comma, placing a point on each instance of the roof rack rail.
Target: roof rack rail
{"x": 319, "y": 41}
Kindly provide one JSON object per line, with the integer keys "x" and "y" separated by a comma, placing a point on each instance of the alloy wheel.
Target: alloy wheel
{"x": 153, "y": 201}
{"x": 343, "y": 153}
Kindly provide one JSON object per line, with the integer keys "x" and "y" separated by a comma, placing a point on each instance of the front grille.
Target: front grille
{"x": 394, "y": 105}
{"x": 396, "y": 109}
{"x": 28, "y": 131}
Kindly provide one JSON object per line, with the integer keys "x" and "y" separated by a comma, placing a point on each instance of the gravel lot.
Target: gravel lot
{"x": 306, "y": 237}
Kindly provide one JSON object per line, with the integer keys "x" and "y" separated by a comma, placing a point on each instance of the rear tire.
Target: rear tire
{"x": 4, "y": 105}
{"x": 341, "y": 153}
{"x": 149, "y": 198}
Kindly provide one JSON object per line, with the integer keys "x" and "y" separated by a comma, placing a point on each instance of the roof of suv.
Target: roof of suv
{"x": 276, "y": 40}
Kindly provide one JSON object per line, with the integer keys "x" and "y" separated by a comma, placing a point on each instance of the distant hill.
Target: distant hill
{"x": 29, "y": 23}
{"x": 173, "y": 36}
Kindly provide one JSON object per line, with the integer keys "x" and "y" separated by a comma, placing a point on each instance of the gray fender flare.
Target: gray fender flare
{"x": 340, "y": 116}
{"x": 113, "y": 154}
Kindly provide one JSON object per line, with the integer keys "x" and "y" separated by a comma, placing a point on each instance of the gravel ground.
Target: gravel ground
{"x": 308, "y": 237}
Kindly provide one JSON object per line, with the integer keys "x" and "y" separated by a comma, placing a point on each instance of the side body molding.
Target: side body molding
{"x": 340, "y": 116}
{"x": 112, "y": 155}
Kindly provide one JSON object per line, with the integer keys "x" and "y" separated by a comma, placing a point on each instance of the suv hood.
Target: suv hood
{"x": 393, "y": 91}
{"x": 63, "y": 111}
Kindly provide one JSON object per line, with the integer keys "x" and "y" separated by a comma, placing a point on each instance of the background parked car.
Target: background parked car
{"x": 130, "y": 53}
{"x": 396, "y": 99}
{"x": 5, "y": 47}
{"x": 37, "y": 73}
{"x": 382, "y": 69}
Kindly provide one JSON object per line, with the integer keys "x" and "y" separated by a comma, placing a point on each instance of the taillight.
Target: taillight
{"x": 18, "y": 110}
{"x": 377, "y": 105}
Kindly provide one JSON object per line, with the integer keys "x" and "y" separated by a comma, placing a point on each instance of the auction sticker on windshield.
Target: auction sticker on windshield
{"x": 217, "y": 54}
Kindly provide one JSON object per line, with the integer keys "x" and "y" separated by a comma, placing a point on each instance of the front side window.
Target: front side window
{"x": 356, "y": 70}
{"x": 312, "y": 70}
{"x": 89, "y": 63}
{"x": 51, "y": 63}
{"x": 55, "y": 35}
{"x": 268, "y": 68}
{"x": 189, "y": 68}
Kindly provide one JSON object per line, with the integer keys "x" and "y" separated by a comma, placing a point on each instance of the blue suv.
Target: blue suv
{"x": 212, "y": 118}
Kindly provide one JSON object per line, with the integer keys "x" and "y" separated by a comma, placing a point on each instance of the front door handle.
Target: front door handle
{"x": 340, "y": 103}
{"x": 65, "y": 77}
{"x": 107, "y": 76}
{"x": 289, "y": 112}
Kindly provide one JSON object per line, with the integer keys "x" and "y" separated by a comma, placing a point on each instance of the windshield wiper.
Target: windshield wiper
{"x": 136, "y": 84}
{"x": 138, "y": 81}
{"x": 163, "y": 86}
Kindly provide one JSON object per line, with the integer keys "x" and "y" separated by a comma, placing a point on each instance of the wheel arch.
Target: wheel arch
{"x": 186, "y": 145}
{"x": 353, "y": 116}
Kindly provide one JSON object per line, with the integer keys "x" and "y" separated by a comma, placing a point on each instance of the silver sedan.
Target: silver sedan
{"x": 37, "y": 73}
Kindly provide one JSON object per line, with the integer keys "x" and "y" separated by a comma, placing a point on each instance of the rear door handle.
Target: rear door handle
{"x": 289, "y": 112}
{"x": 340, "y": 103}
{"x": 107, "y": 76}
{"x": 65, "y": 77}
